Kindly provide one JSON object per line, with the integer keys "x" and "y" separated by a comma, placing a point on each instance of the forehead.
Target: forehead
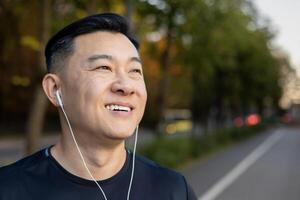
{"x": 112, "y": 43}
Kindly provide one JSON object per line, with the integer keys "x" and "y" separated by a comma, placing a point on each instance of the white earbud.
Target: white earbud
{"x": 60, "y": 102}
{"x": 58, "y": 98}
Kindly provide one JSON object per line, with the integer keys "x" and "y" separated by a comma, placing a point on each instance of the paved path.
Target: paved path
{"x": 266, "y": 167}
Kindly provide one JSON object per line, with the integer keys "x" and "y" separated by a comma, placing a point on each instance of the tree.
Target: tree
{"x": 39, "y": 106}
{"x": 166, "y": 22}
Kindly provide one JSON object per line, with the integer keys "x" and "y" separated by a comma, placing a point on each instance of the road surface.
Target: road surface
{"x": 266, "y": 167}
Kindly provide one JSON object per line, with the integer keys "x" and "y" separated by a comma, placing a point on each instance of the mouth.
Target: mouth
{"x": 119, "y": 107}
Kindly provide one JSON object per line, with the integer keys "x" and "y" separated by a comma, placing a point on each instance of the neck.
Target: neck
{"x": 102, "y": 161}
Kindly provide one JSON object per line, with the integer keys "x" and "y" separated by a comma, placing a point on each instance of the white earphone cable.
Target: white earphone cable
{"x": 133, "y": 161}
{"x": 85, "y": 165}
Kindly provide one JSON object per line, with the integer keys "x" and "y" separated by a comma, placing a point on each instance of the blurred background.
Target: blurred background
{"x": 219, "y": 73}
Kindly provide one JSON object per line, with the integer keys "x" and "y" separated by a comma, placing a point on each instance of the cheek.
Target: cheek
{"x": 94, "y": 90}
{"x": 86, "y": 92}
{"x": 73, "y": 86}
{"x": 143, "y": 94}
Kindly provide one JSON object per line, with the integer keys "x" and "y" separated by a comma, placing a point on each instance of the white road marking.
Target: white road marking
{"x": 240, "y": 168}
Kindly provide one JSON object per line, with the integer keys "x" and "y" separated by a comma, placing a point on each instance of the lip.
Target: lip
{"x": 121, "y": 104}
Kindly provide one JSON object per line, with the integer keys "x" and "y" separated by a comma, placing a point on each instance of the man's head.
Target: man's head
{"x": 61, "y": 46}
{"x": 98, "y": 71}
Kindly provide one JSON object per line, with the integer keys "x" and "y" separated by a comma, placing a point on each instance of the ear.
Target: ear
{"x": 51, "y": 83}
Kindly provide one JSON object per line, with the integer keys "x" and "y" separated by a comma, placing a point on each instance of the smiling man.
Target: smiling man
{"x": 95, "y": 79}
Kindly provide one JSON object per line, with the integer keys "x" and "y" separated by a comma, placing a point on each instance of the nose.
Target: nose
{"x": 123, "y": 85}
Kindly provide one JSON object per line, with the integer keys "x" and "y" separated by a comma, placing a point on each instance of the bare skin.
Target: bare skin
{"x": 104, "y": 71}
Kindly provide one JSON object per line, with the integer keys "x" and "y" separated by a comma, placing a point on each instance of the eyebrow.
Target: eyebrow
{"x": 109, "y": 57}
{"x": 99, "y": 56}
{"x": 136, "y": 59}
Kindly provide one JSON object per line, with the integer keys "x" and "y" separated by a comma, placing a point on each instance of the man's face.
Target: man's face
{"x": 103, "y": 88}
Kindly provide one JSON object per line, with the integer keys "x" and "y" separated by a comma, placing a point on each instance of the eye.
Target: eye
{"x": 103, "y": 67}
{"x": 138, "y": 71}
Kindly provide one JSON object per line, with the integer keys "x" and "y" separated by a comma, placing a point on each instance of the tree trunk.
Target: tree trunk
{"x": 164, "y": 80}
{"x": 128, "y": 13}
{"x": 38, "y": 110}
{"x": 219, "y": 100}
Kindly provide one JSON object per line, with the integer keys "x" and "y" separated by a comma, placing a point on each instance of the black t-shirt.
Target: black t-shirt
{"x": 40, "y": 176}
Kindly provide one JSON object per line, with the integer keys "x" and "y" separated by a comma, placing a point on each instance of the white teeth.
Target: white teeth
{"x": 116, "y": 107}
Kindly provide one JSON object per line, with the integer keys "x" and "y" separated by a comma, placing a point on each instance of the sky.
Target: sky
{"x": 285, "y": 17}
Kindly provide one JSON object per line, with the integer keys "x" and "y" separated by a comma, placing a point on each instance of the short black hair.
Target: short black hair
{"x": 60, "y": 46}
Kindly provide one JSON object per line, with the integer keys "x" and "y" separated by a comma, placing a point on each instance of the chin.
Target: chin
{"x": 121, "y": 134}
{"x": 119, "y": 137}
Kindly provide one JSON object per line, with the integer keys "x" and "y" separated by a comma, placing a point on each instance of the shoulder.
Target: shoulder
{"x": 18, "y": 178}
{"x": 13, "y": 173}
{"x": 153, "y": 168}
{"x": 169, "y": 180}
{"x": 162, "y": 180}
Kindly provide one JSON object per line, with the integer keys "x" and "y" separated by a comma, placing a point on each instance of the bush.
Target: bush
{"x": 168, "y": 152}
{"x": 175, "y": 152}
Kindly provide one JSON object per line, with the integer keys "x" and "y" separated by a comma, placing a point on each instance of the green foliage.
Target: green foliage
{"x": 170, "y": 152}
{"x": 218, "y": 57}
{"x": 224, "y": 56}
{"x": 175, "y": 152}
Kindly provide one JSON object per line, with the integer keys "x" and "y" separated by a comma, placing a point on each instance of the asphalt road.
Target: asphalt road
{"x": 266, "y": 167}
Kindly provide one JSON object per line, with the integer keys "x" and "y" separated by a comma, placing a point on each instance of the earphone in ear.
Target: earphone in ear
{"x": 60, "y": 102}
{"x": 58, "y": 98}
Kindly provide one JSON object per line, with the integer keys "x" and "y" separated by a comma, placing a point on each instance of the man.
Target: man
{"x": 96, "y": 81}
